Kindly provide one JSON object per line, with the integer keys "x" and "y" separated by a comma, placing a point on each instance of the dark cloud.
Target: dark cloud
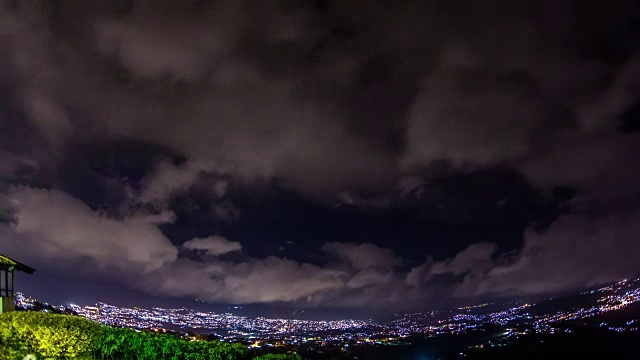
{"x": 364, "y": 256}
{"x": 166, "y": 123}
{"x": 212, "y": 87}
{"x": 594, "y": 242}
{"x": 603, "y": 166}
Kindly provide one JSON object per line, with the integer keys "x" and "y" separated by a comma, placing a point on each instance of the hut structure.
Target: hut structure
{"x": 8, "y": 269}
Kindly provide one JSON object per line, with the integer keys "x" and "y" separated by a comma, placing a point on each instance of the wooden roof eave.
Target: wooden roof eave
{"x": 8, "y": 263}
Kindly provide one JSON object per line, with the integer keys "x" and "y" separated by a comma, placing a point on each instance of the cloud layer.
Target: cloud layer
{"x": 134, "y": 251}
{"x": 333, "y": 102}
{"x": 66, "y": 227}
{"x": 274, "y": 93}
{"x": 213, "y": 245}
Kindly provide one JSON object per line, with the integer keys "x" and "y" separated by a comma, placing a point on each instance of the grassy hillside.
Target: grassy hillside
{"x": 71, "y": 337}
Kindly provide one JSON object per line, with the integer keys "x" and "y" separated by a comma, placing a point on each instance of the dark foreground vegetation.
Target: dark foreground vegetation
{"x": 56, "y": 336}
{"x": 581, "y": 344}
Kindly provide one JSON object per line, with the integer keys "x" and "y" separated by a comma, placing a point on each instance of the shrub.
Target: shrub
{"x": 47, "y": 335}
{"x": 127, "y": 344}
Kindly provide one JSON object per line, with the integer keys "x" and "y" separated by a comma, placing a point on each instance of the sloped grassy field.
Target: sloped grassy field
{"x": 53, "y": 336}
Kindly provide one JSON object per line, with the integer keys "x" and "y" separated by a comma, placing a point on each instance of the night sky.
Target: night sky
{"x": 382, "y": 155}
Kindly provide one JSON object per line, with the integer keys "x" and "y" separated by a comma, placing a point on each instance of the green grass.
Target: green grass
{"x": 72, "y": 337}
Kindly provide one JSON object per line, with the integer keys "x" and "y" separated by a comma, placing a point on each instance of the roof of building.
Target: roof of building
{"x": 17, "y": 265}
